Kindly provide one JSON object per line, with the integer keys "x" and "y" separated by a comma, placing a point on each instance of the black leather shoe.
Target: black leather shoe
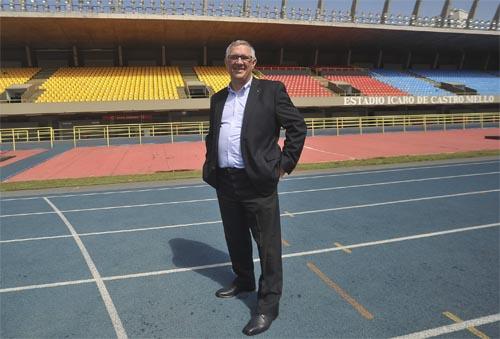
{"x": 258, "y": 323}
{"x": 231, "y": 291}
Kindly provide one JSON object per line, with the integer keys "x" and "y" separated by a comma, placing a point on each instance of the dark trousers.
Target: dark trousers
{"x": 245, "y": 213}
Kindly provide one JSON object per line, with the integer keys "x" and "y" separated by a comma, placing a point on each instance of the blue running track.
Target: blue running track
{"x": 370, "y": 253}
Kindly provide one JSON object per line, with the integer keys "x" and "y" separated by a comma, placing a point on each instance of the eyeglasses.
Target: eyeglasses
{"x": 244, "y": 58}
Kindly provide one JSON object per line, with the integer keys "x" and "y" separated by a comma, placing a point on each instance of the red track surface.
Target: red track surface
{"x": 321, "y": 149}
{"x": 19, "y": 155}
{"x": 151, "y": 158}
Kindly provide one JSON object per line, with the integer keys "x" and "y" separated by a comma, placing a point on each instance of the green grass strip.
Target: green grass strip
{"x": 398, "y": 160}
{"x": 178, "y": 175}
{"x": 93, "y": 181}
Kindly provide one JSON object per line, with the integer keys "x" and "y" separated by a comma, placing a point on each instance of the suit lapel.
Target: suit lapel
{"x": 251, "y": 100}
{"x": 218, "y": 108}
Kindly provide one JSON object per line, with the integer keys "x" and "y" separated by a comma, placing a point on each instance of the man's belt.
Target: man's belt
{"x": 230, "y": 170}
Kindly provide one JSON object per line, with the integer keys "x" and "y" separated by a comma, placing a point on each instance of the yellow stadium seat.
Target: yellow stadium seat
{"x": 12, "y": 76}
{"x": 111, "y": 83}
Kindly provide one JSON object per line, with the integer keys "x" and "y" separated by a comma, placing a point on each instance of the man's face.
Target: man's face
{"x": 239, "y": 64}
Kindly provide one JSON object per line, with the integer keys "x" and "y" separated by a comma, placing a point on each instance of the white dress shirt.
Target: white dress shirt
{"x": 230, "y": 128}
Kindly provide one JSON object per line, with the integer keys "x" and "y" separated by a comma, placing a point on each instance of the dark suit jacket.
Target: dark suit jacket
{"x": 267, "y": 109}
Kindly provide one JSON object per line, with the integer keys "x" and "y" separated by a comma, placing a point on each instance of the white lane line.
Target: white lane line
{"x": 326, "y": 152}
{"x": 109, "y": 192}
{"x": 386, "y": 171}
{"x": 342, "y": 247}
{"x": 26, "y": 214}
{"x": 142, "y": 205}
{"x": 391, "y": 240}
{"x": 108, "y": 302}
{"x": 394, "y": 202}
{"x": 306, "y": 253}
{"x": 136, "y": 229}
{"x": 280, "y": 193}
{"x": 58, "y": 284}
{"x": 473, "y": 330}
{"x": 389, "y": 183}
{"x": 36, "y": 238}
{"x": 286, "y": 213}
{"x": 131, "y": 191}
{"x": 169, "y": 271}
{"x": 434, "y": 332}
{"x": 285, "y": 256}
{"x": 288, "y": 178}
{"x": 153, "y": 228}
{"x": 113, "y": 207}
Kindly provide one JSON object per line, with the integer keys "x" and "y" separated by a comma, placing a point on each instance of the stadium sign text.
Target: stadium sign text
{"x": 418, "y": 100}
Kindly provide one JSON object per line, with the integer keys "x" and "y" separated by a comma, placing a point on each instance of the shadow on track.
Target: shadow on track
{"x": 189, "y": 253}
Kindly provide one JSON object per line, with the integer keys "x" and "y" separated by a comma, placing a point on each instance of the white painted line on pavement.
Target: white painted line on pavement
{"x": 332, "y": 153}
{"x": 114, "y": 207}
{"x": 108, "y": 302}
{"x": 392, "y": 240}
{"x": 280, "y": 193}
{"x": 36, "y": 238}
{"x": 473, "y": 330}
{"x": 137, "y": 229}
{"x": 25, "y": 214}
{"x": 434, "y": 332}
{"x": 394, "y": 202}
{"x": 140, "y": 229}
{"x": 405, "y": 169}
{"x": 389, "y": 183}
{"x": 289, "y": 178}
{"x": 109, "y": 192}
{"x": 48, "y": 285}
{"x": 285, "y": 256}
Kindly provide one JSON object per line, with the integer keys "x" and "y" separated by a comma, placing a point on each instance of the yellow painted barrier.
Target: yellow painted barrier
{"x": 171, "y": 130}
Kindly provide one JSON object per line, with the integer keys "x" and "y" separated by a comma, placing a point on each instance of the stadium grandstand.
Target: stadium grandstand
{"x": 65, "y": 62}
{"x": 12, "y": 76}
{"x": 215, "y": 77}
{"x": 74, "y": 84}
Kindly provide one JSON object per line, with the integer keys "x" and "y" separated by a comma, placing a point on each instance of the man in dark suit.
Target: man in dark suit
{"x": 244, "y": 164}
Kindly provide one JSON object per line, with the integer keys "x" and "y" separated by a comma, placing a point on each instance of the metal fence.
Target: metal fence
{"x": 258, "y": 9}
{"x": 382, "y": 124}
{"x": 12, "y": 138}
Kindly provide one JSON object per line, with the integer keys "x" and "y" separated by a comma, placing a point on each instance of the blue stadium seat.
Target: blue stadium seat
{"x": 407, "y": 82}
{"x": 484, "y": 83}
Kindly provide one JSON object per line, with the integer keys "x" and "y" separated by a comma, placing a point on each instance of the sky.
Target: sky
{"x": 485, "y": 10}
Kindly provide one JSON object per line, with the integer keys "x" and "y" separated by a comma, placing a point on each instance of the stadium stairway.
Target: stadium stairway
{"x": 45, "y": 73}
{"x": 182, "y": 93}
{"x": 34, "y": 92}
{"x": 407, "y": 82}
{"x": 416, "y": 75}
{"x": 435, "y": 83}
{"x": 323, "y": 82}
{"x": 188, "y": 74}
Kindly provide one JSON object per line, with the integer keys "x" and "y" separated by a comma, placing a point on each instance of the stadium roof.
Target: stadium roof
{"x": 104, "y": 30}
